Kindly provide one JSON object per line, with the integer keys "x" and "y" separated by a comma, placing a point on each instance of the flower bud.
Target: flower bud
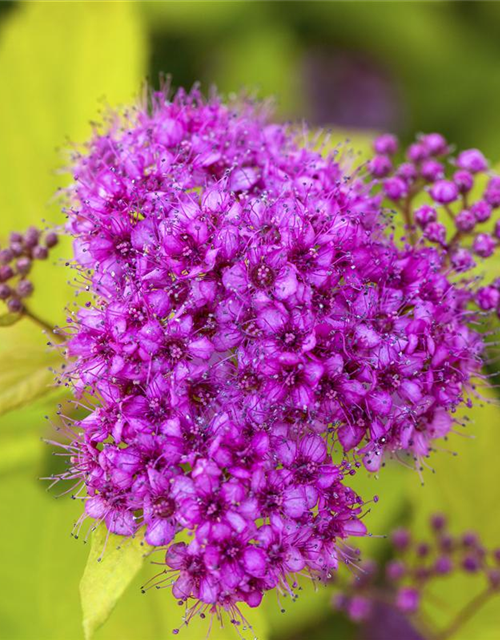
{"x": 14, "y": 305}
{"x": 481, "y": 210}
{"x": 435, "y": 232}
{"x": 16, "y": 248}
{"x": 492, "y": 193}
{"x": 6, "y": 256}
{"x": 438, "y": 521}
{"x": 407, "y": 172}
{"x": 6, "y": 272}
{"x": 51, "y": 239}
{"x": 463, "y": 180}
{"x": 380, "y": 166}
{"x": 40, "y": 253}
{"x": 462, "y": 260}
{"x": 432, "y": 170}
{"x": 24, "y": 288}
{"x": 407, "y": 600}
{"x": 15, "y": 236}
{"x": 5, "y": 291}
{"x": 444, "y": 191}
{"x": 417, "y": 152}
{"x": 446, "y": 543}
{"x": 23, "y": 265}
{"x": 435, "y": 143}
{"x": 395, "y": 188}
{"x": 470, "y": 564}
{"x": 396, "y": 570}
{"x": 31, "y": 237}
{"x": 425, "y": 214}
{"x": 487, "y": 298}
{"x": 386, "y": 144}
{"x": 484, "y": 245}
{"x": 443, "y": 565}
{"x": 472, "y": 160}
{"x": 470, "y": 539}
{"x": 494, "y": 578}
{"x": 465, "y": 221}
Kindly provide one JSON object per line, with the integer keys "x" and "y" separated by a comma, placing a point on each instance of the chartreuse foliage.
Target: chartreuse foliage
{"x": 465, "y": 487}
{"x": 111, "y": 566}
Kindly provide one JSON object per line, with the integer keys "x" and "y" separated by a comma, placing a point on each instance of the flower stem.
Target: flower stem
{"x": 43, "y": 324}
{"x": 406, "y": 212}
{"x": 464, "y": 616}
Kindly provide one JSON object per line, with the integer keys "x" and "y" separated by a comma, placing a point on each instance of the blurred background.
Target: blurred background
{"x": 354, "y": 67}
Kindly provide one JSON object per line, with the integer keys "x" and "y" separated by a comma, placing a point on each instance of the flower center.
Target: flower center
{"x": 164, "y": 507}
{"x": 262, "y": 276}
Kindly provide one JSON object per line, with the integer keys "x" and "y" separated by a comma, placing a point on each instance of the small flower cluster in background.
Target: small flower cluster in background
{"x": 16, "y": 261}
{"x": 401, "y": 582}
{"x": 432, "y": 186}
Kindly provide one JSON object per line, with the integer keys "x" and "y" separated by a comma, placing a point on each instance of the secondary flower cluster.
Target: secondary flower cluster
{"x": 402, "y": 581}
{"x": 16, "y": 260}
{"x": 252, "y": 317}
{"x": 433, "y": 187}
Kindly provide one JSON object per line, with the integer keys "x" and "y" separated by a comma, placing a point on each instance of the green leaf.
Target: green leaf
{"x": 60, "y": 64}
{"x": 466, "y": 487}
{"x": 18, "y": 451}
{"x": 112, "y": 564}
{"x": 8, "y": 319}
{"x": 26, "y": 367}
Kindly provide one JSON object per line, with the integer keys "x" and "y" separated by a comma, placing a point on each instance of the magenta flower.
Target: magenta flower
{"x": 252, "y": 316}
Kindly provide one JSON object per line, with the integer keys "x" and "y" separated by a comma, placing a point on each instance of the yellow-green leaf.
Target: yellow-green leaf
{"x": 466, "y": 487}
{"x": 8, "y": 319}
{"x": 113, "y": 563}
{"x": 60, "y": 63}
{"x": 26, "y": 366}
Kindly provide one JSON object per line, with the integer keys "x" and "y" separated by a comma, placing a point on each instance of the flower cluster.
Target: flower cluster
{"x": 449, "y": 200}
{"x": 16, "y": 260}
{"x": 403, "y": 580}
{"x": 251, "y": 318}
{"x": 215, "y": 244}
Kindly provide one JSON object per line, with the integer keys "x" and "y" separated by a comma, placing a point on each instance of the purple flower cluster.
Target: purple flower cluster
{"x": 16, "y": 260}
{"x": 215, "y": 245}
{"x": 403, "y": 580}
{"x": 251, "y": 317}
{"x": 456, "y": 197}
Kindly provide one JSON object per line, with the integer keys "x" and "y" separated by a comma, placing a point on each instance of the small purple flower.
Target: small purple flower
{"x": 464, "y": 181}
{"x": 484, "y": 245}
{"x": 435, "y": 232}
{"x": 386, "y": 144}
{"x": 395, "y": 188}
{"x": 408, "y": 600}
{"x": 481, "y": 210}
{"x": 432, "y": 170}
{"x": 380, "y": 166}
{"x": 472, "y": 160}
{"x": 417, "y": 152}
{"x": 492, "y": 193}
{"x": 488, "y": 298}
{"x": 465, "y": 221}
{"x": 435, "y": 143}
{"x": 425, "y": 214}
{"x": 444, "y": 191}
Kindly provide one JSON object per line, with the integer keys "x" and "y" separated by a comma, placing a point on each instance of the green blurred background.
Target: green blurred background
{"x": 355, "y": 67}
